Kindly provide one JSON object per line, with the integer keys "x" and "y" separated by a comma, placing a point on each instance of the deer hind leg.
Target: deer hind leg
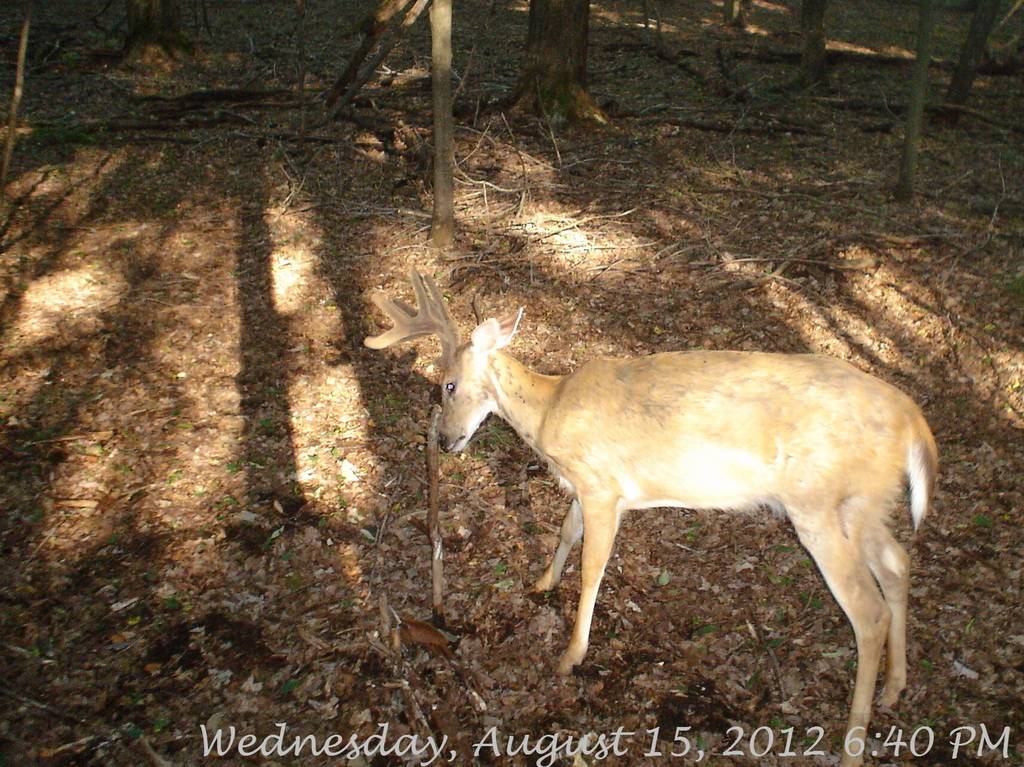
{"x": 572, "y": 531}
{"x": 847, "y": 574}
{"x": 890, "y": 565}
{"x": 600, "y": 524}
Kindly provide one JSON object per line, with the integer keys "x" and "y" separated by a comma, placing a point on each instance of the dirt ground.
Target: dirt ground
{"x": 209, "y": 484}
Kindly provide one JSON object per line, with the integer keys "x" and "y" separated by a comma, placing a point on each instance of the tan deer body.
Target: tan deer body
{"x": 808, "y": 436}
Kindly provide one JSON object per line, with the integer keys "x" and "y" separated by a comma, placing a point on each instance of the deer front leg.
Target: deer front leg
{"x": 572, "y": 531}
{"x": 600, "y": 524}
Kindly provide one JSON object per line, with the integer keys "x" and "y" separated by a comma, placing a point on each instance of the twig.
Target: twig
{"x": 851, "y": 267}
{"x": 385, "y": 616}
{"x": 76, "y": 745}
{"x": 584, "y": 220}
{"x": 547, "y": 124}
{"x": 522, "y": 164}
{"x": 93, "y": 436}
{"x": 472, "y": 52}
{"x": 43, "y": 706}
{"x": 774, "y": 661}
{"x": 154, "y": 757}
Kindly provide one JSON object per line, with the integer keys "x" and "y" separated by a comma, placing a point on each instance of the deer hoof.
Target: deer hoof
{"x": 890, "y": 695}
{"x": 565, "y": 665}
{"x": 542, "y": 584}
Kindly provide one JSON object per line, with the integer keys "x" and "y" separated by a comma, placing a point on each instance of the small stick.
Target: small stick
{"x": 385, "y": 617}
{"x": 36, "y": 704}
{"x": 154, "y": 757}
{"x": 434, "y": 521}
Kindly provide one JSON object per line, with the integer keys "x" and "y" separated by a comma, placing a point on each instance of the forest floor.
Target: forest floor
{"x": 208, "y": 484}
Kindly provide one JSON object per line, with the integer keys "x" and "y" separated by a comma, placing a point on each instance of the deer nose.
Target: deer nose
{"x": 447, "y": 443}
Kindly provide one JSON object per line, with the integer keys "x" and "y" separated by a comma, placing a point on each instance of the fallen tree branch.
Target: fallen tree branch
{"x": 374, "y": 26}
{"x": 977, "y": 114}
{"x": 218, "y": 94}
{"x": 942, "y": 108}
{"x": 220, "y": 118}
{"x": 832, "y": 56}
{"x": 386, "y": 45}
{"x": 717, "y": 127}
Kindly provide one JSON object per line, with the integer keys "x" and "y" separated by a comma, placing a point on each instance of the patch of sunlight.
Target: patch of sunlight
{"x": 885, "y": 50}
{"x": 770, "y": 6}
{"x": 350, "y": 566}
{"x": 754, "y": 29}
{"x": 572, "y": 239}
{"x": 607, "y": 15}
{"x": 874, "y": 335}
{"x": 327, "y": 419}
{"x": 576, "y": 239}
{"x": 667, "y": 27}
{"x": 295, "y": 240}
{"x": 64, "y": 305}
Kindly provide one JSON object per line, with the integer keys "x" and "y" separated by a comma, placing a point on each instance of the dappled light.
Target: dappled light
{"x": 63, "y": 305}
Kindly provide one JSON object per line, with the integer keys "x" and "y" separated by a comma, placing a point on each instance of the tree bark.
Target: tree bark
{"x": 918, "y": 95}
{"x": 442, "y": 226}
{"x": 736, "y": 12}
{"x": 154, "y": 30}
{"x": 813, "y": 67}
{"x": 553, "y": 80}
{"x": 982, "y": 22}
{"x": 12, "y": 115}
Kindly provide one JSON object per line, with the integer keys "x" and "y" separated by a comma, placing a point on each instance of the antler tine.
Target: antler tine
{"x": 431, "y": 302}
{"x": 429, "y": 318}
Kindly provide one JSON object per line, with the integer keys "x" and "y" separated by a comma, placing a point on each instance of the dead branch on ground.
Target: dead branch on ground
{"x": 735, "y": 127}
{"x": 386, "y": 30}
{"x": 895, "y": 109}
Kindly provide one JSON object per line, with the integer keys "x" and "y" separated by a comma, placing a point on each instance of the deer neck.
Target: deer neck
{"x": 523, "y": 396}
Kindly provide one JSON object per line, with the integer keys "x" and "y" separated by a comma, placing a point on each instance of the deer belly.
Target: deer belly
{"x": 709, "y": 478}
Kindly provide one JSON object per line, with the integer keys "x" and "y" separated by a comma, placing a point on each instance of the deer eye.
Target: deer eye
{"x": 450, "y": 387}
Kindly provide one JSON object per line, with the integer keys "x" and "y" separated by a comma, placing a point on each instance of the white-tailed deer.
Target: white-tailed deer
{"x": 808, "y": 436}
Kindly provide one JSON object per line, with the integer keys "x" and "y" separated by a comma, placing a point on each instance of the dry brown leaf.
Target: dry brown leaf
{"x": 418, "y": 632}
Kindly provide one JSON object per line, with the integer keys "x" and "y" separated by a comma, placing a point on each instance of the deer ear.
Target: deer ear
{"x": 496, "y": 333}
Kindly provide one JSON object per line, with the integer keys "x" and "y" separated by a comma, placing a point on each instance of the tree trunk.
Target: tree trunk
{"x": 982, "y": 22}
{"x": 736, "y": 12}
{"x": 154, "y": 31}
{"x": 813, "y": 68}
{"x": 918, "y": 94}
{"x": 12, "y": 115}
{"x": 554, "y": 74}
{"x": 442, "y": 226}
